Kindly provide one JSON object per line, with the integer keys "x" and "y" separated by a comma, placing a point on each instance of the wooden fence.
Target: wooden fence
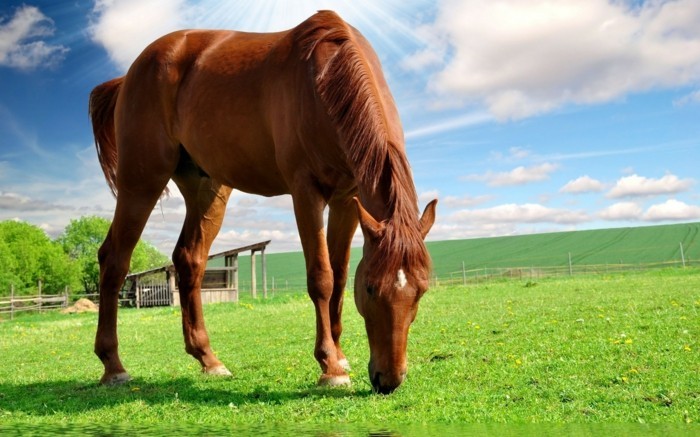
{"x": 475, "y": 276}
{"x": 41, "y": 302}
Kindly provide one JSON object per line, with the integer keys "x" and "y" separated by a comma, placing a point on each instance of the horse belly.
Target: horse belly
{"x": 239, "y": 156}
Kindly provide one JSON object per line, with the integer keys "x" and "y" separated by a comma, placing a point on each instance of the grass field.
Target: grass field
{"x": 629, "y": 246}
{"x": 615, "y": 349}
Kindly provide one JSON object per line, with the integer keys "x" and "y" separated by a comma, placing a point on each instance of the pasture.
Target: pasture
{"x": 607, "y": 349}
{"x": 619, "y": 248}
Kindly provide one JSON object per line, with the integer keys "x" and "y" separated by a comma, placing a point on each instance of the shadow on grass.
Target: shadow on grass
{"x": 49, "y": 398}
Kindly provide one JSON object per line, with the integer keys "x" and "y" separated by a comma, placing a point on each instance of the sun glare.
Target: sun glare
{"x": 388, "y": 23}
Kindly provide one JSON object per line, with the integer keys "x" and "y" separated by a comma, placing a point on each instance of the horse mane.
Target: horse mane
{"x": 348, "y": 90}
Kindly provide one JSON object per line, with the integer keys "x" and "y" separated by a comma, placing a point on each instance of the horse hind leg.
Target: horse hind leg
{"x": 206, "y": 205}
{"x": 137, "y": 195}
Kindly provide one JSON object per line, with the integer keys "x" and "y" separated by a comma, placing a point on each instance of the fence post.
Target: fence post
{"x": 682, "y": 254}
{"x": 12, "y": 301}
{"x": 264, "y": 272}
{"x": 253, "y": 277}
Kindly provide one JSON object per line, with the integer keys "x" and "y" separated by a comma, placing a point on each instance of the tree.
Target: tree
{"x": 28, "y": 256}
{"x": 8, "y": 266}
{"x": 82, "y": 239}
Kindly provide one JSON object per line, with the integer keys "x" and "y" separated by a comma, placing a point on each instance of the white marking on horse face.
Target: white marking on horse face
{"x": 401, "y": 279}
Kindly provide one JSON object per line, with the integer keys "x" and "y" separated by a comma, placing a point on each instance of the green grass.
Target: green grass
{"x": 639, "y": 245}
{"x": 614, "y": 349}
{"x": 629, "y": 246}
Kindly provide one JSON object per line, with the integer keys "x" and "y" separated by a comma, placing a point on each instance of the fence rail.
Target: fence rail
{"x": 155, "y": 295}
{"x": 485, "y": 274}
{"x": 464, "y": 276}
{"x": 41, "y": 302}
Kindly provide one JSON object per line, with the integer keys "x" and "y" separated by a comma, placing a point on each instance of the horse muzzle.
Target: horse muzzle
{"x": 385, "y": 382}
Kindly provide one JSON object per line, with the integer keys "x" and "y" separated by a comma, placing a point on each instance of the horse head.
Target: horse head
{"x": 387, "y": 298}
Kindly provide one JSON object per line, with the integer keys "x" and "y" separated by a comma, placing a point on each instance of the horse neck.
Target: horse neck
{"x": 394, "y": 202}
{"x": 394, "y": 196}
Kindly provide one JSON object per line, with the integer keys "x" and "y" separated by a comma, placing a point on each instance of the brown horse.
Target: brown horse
{"x": 305, "y": 112}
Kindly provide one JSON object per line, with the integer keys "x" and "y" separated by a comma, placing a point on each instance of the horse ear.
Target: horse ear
{"x": 428, "y": 218}
{"x": 370, "y": 226}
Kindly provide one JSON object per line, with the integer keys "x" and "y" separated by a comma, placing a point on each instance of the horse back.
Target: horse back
{"x": 253, "y": 107}
{"x": 204, "y": 91}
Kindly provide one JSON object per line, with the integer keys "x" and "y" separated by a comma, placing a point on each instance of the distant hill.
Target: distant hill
{"x": 649, "y": 244}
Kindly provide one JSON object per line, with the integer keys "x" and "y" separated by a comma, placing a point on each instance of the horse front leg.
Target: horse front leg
{"x": 308, "y": 209}
{"x": 342, "y": 223}
{"x": 206, "y": 206}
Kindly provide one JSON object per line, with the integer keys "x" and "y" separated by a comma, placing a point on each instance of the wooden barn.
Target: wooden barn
{"x": 158, "y": 287}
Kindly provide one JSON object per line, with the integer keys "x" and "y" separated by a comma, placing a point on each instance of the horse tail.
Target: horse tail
{"x": 103, "y": 100}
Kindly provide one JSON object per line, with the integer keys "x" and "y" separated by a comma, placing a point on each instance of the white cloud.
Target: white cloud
{"x": 20, "y": 43}
{"x": 19, "y": 203}
{"x": 526, "y": 57}
{"x": 464, "y": 201}
{"x": 126, "y": 27}
{"x": 431, "y": 56}
{"x": 442, "y": 230}
{"x": 514, "y": 154}
{"x": 673, "y": 210}
{"x": 584, "y": 184}
{"x": 451, "y": 202}
{"x": 688, "y": 99}
{"x": 426, "y": 196}
{"x": 637, "y": 186}
{"x": 622, "y": 211}
{"x": 527, "y": 213}
{"x": 519, "y": 152}
{"x": 284, "y": 239}
{"x": 462, "y": 121}
{"x": 518, "y": 176}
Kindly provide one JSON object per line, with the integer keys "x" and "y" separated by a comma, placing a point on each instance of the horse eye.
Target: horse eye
{"x": 370, "y": 290}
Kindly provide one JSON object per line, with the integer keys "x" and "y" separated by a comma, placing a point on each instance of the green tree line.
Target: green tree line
{"x": 28, "y": 255}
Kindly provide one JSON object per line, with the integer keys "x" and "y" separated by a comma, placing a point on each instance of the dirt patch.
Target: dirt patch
{"x": 81, "y": 306}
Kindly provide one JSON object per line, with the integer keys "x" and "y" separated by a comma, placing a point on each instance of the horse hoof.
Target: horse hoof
{"x": 345, "y": 364}
{"x": 116, "y": 379}
{"x": 334, "y": 380}
{"x": 218, "y": 371}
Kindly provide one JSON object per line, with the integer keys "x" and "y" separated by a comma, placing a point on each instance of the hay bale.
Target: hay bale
{"x": 81, "y": 306}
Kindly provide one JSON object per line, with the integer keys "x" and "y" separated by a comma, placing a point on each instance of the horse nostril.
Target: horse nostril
{"x": 376, "y": 381}
{"x": 385, "y": 389}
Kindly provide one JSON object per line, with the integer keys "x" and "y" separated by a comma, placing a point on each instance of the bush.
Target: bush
{"x": 29, "y": 256}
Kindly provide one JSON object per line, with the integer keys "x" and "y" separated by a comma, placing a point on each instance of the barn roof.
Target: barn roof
{"x": 170, "y": 267}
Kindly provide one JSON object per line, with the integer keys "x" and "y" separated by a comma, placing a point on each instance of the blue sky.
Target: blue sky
{"x": 520, "y": 116}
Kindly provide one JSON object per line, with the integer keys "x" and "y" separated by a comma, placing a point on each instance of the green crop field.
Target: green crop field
{"x": 618, "y": 349}
{"x": 628, "y": 246}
